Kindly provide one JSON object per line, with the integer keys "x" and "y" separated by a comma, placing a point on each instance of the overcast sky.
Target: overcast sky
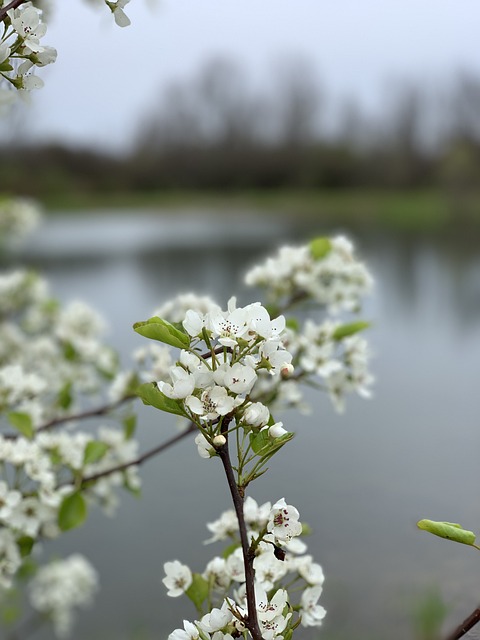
{"x": 106, "y": 77}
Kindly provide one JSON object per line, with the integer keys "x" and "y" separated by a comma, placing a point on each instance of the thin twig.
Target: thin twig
{"x": 13, "y": 5}
{"x": 143, "y": 458}
{"x": 83, "y": 415}
{"x": 248, "y": 556}
{"x": 466, "y": 625}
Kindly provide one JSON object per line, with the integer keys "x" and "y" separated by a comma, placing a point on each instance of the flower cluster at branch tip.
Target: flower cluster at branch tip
{"x": 223, "y": 579}
{"x": 22, "y": 50}
{"x": 326, "y": 272}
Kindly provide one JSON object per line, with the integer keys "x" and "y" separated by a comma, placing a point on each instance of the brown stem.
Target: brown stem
{"x": 90, "y": 413}
{"x": 143, "y": 458}
{"x": 248, "y": 556}
{"x": 466, "y": 625}
{"x": 12, "y": 5}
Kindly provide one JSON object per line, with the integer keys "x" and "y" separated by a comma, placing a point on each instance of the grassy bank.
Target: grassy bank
{"x": 414, "y": 211}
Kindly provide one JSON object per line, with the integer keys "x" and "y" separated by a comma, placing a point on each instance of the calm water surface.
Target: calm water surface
{"x": 361, "y": 480}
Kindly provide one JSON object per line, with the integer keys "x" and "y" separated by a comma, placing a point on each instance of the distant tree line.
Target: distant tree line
{"x": 217, "y": 132}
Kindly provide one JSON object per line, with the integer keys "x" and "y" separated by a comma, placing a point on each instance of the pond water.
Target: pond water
{"x": 361, "y": 480}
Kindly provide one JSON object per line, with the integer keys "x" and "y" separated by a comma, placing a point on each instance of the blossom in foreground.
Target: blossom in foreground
{"x": 283, "y": 521}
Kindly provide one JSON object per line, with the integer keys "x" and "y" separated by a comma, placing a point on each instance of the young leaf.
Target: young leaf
{"x": 448, "y": 530}
{"x": 129, "y": 426}
{"x": 197, "y": 591}
{"x": 320, "y": 247}
{"x": 230, "y": 549}
{"x": 64, "y": 399}
{"x": 345, "y": 330}
{"x": 260, "y": 441}
{"x": 158, "y": 329}
{"x": 72, "y": 512}
{"x": 94, "y": 451}
{"x": 25, "y": 545}
{"x": 22, "y": 422}
{"x": 151, "y": 394}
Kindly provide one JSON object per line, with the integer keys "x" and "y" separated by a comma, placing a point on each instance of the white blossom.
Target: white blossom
{"x": 60, "y": 587}
{"x": 283, "y": 521}
{"x": 178, "y": 578}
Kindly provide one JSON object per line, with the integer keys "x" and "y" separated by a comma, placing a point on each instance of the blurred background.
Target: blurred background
{"x": 172, "y": 155}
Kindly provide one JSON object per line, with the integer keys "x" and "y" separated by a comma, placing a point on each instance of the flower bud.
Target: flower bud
{"x": 286, "y": 370}
{"x": 277, "y": 430}
{"x": 219, "y": 441}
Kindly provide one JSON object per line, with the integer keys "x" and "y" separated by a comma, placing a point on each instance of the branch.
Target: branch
{"x": 90, "y": 413}
{"x": 466, "y": 625}
{"x": 12, "y": 5}
{"x": 248, "y": 556}
{"x": 143, "y": 458}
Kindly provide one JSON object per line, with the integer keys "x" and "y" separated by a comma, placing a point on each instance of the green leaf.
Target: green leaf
{"x": 151, "y": 394}
{"x": 230, "y": 549}
{"x": 25, "y": 545}
{"x": 293, "y": 324}
{"x": 22, "y": 422}
{"x": 260, "y": 441}
{"x": 94, "y": 451}
{"x": 320, "y": 247}
{"x": 448, "y": 530}
{"x": 69, "y": 352}
{"x": 198, "y": 591}
{"x": 6, "y": 66}
{"x": 345, "y": 330}
{"x": 265, "y": 446}
{"x": 27, "y": 569}
{"x": 72, "y": 512}
{"x": 129, "y": 426}
{"x": 158, "y": 329}
{"x": 64, "y": 399}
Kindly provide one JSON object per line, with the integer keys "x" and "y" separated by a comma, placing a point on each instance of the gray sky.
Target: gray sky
{"x": 105, "y": 77}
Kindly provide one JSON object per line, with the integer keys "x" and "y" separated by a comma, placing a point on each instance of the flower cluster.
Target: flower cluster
{"x": 280, "y": 559}
{"x": 217, "y": 371}
{"x": 60, "y": 587}
{"x": 49, "y": 355}
{"x": 22, "y": 50}
{"x": 52, "y": 362}
{"x": 18, "y": 218}
{"x": 325, "y": 271}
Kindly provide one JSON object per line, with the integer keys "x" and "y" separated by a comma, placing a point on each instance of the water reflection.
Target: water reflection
{"x": 360, "y": 480}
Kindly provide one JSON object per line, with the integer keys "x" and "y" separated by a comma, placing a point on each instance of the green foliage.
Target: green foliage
{"x": 345, "y": 330}
{"x": 72, "y": 512}
{"x": 25, "y": 545}
{"x": 22, "y": 422}
{"x": 429, "y": 615}
{"x": 230, "y": 549}
{"x": 129, "y": 426}
{"x": 448, "y": 530}
{"x": 94, "y": 451}
{"x": 265, "y": 446}
{"x": 320, "y": 247}
{"x": 64, "y": 399}
{"x": 198, "y": 591}
{"x": 151, "y": 394}
{"x": 157, "y": 329}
